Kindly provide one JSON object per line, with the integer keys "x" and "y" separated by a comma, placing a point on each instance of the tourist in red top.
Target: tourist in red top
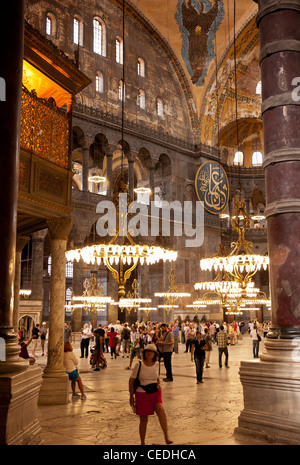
{"x": 112, "y": 342}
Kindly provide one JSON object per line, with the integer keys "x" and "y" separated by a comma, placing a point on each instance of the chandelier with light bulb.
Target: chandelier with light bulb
{"x": 172, "y": 295}
{"x": 121, "y": 255}
{"x": 241, "y": 263}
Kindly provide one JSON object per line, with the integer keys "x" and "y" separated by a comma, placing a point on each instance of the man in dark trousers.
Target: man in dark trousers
{"x": 166, "y": 345}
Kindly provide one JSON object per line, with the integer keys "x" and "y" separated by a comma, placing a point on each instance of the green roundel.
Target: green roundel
{"x": 212, "y": 188}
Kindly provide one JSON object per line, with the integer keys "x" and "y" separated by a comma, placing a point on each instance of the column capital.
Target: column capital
{"x": 59, "y": 228}
{"x": 85, "y": 142}
{"x": 21, "y": 242}
{"x": 131, "y": 156}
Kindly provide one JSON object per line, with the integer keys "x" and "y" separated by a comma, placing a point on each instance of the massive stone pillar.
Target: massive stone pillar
{"x": 131, "y": 176}
{"x": 19, "y": 383}
{"x": 272, "y": 384}
{"x": 54, "y": 389}
{"x": 152, "y": 181}
{"x": 85, "y": 163}
{"x": 76, "y": 322}
{"x": 37, "y": 267}
{"x": 109, "y": 183}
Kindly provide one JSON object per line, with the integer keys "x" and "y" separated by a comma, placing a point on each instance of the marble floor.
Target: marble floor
{"x": 198, "y": 414}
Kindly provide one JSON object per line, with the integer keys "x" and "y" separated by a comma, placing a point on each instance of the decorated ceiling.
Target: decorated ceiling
{"x": 200, "y": 41}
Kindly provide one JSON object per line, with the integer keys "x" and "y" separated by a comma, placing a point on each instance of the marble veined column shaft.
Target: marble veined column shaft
{"x": 54, "y": 389}
{"x": 272, "y": 383}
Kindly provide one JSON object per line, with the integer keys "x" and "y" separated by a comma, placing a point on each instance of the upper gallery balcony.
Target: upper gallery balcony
{"x": 50, "y": 82}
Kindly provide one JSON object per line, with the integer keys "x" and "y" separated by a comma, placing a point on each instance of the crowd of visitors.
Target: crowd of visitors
{"x": 151, "y": 344}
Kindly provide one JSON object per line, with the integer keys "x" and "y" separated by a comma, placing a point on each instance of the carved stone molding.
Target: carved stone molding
{"x": 278, "y": 100}
{"x": 279, "y": 46}
{"x": 21, "y": 242}
{"x": 282, "y": 155}
{"x": 282, "y": 206}
{"x": 59, "y": 228}
{"x": 270, "y": 6}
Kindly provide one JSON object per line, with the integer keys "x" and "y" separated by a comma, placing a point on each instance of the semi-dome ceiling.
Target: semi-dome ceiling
{"x": 189, "y": 31}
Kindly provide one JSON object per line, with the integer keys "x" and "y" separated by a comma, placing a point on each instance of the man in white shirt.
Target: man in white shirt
{"x": 85, "y": 340}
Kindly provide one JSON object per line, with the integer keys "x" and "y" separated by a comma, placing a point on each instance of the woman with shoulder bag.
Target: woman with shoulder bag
{"x": 145, "y": 392}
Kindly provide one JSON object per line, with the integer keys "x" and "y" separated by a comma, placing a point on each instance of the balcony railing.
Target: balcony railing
{"x": 45, "y": 129}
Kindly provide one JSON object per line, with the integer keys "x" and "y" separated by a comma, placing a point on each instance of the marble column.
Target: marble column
{"x": 272, "y": 384}
{"x": 152, "y": 181}
{"x": 85, "y": 163}
{"x": 76, "y": 322}
{"x": 112, "y": 291}
{"x": 109, "y": 183}
{"x": 19, "y": 383}
{"x": 55, "y": 384}
{"x": 20, "y": 244}
{"x": 144, "y": 292}
{"x": 37, "y": 268}
{"x": 131, "y": 176}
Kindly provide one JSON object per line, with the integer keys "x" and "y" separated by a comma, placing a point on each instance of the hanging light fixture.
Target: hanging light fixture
{"x": 92, "y": 298}
{"x": 241, "y": 264}
{"x": 122, "y": 254}
{"x": 132, "y": 299}
{"x": 172, "y": 294}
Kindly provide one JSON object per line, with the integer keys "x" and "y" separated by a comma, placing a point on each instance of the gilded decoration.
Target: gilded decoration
{"x": 212, "y": 187}
{"x": 44, "y": 129}
{"x": 53, "y": 185}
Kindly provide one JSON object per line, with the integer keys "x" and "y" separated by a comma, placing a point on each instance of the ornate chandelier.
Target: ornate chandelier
{"x": 241, "y": 264}
{"x": 132, "y": 299}
{"x": 92, "y": 300}
{"x": 121, "y": 255}
{"x": 172, "y": 294}
{"x": 96, "y": 176}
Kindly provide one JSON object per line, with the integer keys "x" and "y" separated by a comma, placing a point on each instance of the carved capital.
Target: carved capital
{"x": 21, "y": 242}
{"x": 59, "y": 228}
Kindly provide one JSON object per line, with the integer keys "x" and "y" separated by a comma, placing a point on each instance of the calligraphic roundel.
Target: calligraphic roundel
{"x": 212, "y": 188}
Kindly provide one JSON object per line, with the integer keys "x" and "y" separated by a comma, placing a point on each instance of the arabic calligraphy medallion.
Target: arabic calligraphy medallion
{"x": 212, "y": 188}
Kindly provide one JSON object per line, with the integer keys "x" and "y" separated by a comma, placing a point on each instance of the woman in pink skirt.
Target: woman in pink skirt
{"x": 145, "y": 392}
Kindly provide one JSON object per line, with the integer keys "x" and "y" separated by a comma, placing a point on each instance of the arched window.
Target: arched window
{"x": 99, "y": 45}
{"x": 141, "y": 99}
{"x": 77, "y": 30}
{"x": 119, "y": 50}
{"x": 99, "y": 82}
{"x": 160, "y": 107}
{"x": 257, "y": 159}
{"x": 141, "y": 67}
{"x": 238, "y": 158}
{"x": 121, "y": 91}
{"x": 258, "y": 88}
{"x": 51, "y": 25}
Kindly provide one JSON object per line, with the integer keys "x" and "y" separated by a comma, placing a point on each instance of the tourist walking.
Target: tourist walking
{"x": 43, "y": 332}
{"x": 135, "y": 338}
{"x": 198, "y": 352}
{"x": 254, "y": 334}
{"x": 222, "y": 341}
{"x": 85, "y": 341}
{"x": 208, "y": 350}
{"x": 145, "y": 393}
{"x": 113, "y": 342}
{"x": 166, "y": 344}
{"x": 35, "y": 339}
